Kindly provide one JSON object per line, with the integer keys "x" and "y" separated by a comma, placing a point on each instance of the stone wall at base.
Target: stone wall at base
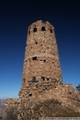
{"x": 66, "y": 94}
{"x": 11, "y": 102}
{"x": 47, "y": 108}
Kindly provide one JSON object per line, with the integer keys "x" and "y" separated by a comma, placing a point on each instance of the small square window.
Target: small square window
{"x": 29, "y": 32}
{"x": 24, "y": 80}
{"x": 69, "y": 92}
{"x": 35, "y": 30}
{"x": 44, "y": 60}
{"x": 41, "y": 61}
{"x": 34, "y": 58}
{"x": 43, "y": 78}
{"x": 50, "y": 30}
{"x": 34, "y": 79}
{"x": 30, "y": 94}
{"x": 36, "y": 42}
{"x": 43, "y": 29}
{"x": 47, "y": 79}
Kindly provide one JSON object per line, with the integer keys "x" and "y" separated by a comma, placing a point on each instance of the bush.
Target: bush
{"x": 11, "y": 114}
{"x": 0, "y": 118}
{"x": 78, "y": 87}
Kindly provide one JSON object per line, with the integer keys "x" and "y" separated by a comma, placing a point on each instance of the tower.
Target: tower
{"x": 41, "y": 61}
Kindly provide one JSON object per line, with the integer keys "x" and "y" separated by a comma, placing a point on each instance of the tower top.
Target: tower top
{"x": 40, "y": 23}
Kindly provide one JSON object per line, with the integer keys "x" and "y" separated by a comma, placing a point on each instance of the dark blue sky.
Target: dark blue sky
{"x": 15, "y": 17}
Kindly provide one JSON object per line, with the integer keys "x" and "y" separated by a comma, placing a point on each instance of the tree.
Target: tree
{"x": 0, "y": 118}
{"x": 78, "y": 87}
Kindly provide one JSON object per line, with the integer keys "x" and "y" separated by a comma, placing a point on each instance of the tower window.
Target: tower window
{"x": 40, "y": 61}
{"x": 29, "y": 32}
{"x": 47, "y": 47}
{"x": 30, "y": 94}
{"x": 35, "y": 30}
{"x": 44, "y": 60}
{"x": 43, "y": 78}
{"x": 24, "y": 80}
{"x": 69, "y": 92}
{"x": 47, "y": 78}
{"x": 34, "y": 58}
{"x": 34, "y": 79}
{"x": 36, "y": 42}
{"x": 51, "y": 30}
{"x": 43, "y": 29}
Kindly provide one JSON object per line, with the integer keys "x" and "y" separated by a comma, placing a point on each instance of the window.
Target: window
{"x": 24, "y": 80}
{"x": 34, "y": 58}
{"x": 36, "y": 42}
{"x": 43, "y": 29}
{"x": 30, "y": 94}
{"x": 70, "y": 93}
{"x": 51, "y": 30}
{"x": 41, "y": 61}
{"x": 34, "y": 79}
{"x": 35, "y": 30}
{"x": 47, "y": 78}
{"x": 29, "y": 32}
{"x": 43, "y": 78}
{"x": 44, "y": 60}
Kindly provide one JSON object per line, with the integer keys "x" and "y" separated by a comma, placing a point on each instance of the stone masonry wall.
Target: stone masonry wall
{"x": 41, "y": 61}
{"x": 66, "y": 94}
{"x": 11, "y": 102}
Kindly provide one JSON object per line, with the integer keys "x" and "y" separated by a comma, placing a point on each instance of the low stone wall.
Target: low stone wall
{"x": 66, "y": 94}
{"x": 11, "y": 102}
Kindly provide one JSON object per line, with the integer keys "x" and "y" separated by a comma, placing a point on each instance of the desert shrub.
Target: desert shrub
{"x": 0, "y": 118}
{"x": 78, "y": 87}
{"x": 11, "y": 114}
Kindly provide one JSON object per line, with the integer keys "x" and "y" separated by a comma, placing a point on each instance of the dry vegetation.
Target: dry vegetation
{"x": 48, "y": 108}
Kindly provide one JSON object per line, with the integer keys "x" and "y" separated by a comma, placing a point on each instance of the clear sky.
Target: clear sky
{"x": 15, "y": 17}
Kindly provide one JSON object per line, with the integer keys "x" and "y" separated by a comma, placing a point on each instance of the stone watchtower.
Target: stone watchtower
{"x": 42, "y": 77}
{"x": 41, "y": 67}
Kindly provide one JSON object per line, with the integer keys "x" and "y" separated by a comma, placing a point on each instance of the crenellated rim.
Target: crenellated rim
{"x": 40, "y": 25}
